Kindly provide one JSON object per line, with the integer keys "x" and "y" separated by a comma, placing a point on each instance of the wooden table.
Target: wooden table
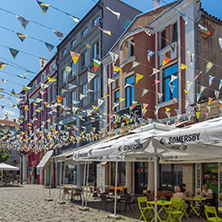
{"x": 163, "y": 207}
{"x": 199, "y": 201}
{"x": 118, "y": 189}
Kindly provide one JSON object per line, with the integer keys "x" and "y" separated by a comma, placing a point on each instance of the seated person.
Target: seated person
{"x": 187, "y": 194}
{"x": 179, "y": 194}
{"x": 207, "y": 192}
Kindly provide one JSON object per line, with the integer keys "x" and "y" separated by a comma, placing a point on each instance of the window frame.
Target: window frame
{"x": 132, "y": 91}
{"x": 73, "y": 43}
{"x": 116, "y": 99}
{"x": 96, "y": 92}
{"x": 84, "y": 59}
{"x": 131, "y": 51}
{"x": 84, "y": 32}
{"x": 163, "y": 39}
{"x": 63, "y": 52}
{"x": 95, "y": 21}
{"x": 174, "y": 32}
{"x": 84, "y": 92}
{"x": 96, "y": 55}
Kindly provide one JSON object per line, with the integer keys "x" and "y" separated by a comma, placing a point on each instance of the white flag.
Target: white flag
{"x": 43, "y": 62}
{"x": 82, "y": 96}
{"x": 117, "y": 14}
{"x": 114, "y": 57}
{"x": 110, "y": 81}
{"x": 90, "y": 76}
{"x": 100, "y": 102}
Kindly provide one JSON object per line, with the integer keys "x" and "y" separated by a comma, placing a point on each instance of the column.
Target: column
{"x": 128, "y": 177}
{"x": 150, "y": 176}
{"x": 188, "y": 177}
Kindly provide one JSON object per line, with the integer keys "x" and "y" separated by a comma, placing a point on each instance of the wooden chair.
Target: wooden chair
{"x": 212, "y": 211}
{"x": 77, "y": 193}
{"x": 144, "y": 207}
{"x": 66, "y": 192}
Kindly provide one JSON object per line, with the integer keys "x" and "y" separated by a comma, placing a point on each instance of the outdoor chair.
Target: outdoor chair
{"x": 105, "y": 201}
{"x": 213, "y": 214}
{"x": 77, "y": 193}
{"x": 66, "y": 192}
{"x": 126, "y": 201}
{"x": 145, "y": 207}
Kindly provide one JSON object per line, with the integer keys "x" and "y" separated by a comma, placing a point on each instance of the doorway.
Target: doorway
{"x": 141, "y": 177}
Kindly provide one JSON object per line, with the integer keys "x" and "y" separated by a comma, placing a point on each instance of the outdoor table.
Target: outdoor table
{"x": 118, "y": 189}
{"x": 72, "y": 189}
{"x": 220, "y": 209}
{"x": 198, "y": 201}
{"x": 163, "y": 207}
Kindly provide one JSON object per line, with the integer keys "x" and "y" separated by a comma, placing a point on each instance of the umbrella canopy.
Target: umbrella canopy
{"x": 4, "y": 166}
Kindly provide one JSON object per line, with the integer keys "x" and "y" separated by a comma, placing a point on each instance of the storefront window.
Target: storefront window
{"x": 141, "y": 177}
{"x": 171, "y": 175}
{"x": 121, "y": 174}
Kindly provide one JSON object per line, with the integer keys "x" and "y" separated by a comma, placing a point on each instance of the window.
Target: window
{"x": 171, "y": 175}
{"x": 96, "y": 88}
{"x": 163, "y": 39}
{"x": 84, "y": 92}
{"x": 73, "y": 96}
{"x": 123, "y": 49}
{"x": 64, "y": 75}
{"x": 44, "y": 76}
{"x": 131, "y": 47}
{"x": 84, "y": 60}
{"x": 73, "y": 68}
{"x": 96, "y": 21}
{"x": 35, "y": 84}
{"x": 116, "y": 99}
{"x": 129, "y": 91}
{"x": 174, "y": 32}
{"x": 49, "y": 94}
{"x": 73, "y": 43}
{"x": 168, "y": 87}
{"x": 96, "y": 50}
{"x": 63, "y": 52}
{"x": 84, "y": 32}
{"x": 53, "y": 92}
{"x": 120, "y": 174}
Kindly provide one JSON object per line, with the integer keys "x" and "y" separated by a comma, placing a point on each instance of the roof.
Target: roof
{"x": 210, "y": 17}
{"x": 8, "y": 123}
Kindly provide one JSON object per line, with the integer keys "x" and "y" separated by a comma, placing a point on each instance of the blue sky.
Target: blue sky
{"x": 55, "y": 20}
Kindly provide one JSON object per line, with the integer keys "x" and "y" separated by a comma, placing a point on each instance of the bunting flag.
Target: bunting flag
{"x": 114, "y": 57}
{"x": 149, "y": 54}
{"x": 198, "y": 106}
{"x": 14, "y": 52}
{"x": 160, "y": 95}
{"x": 25, "y": 88}
{"x": 197, "y": 75}
{"x": 4, "y": 80}
{"x": 156, "y": 4}
{"x": 72, "y": 86}
{"x": 110, "y": 81}
{"x": 135, "y": 64}
{"x": 172, "y": 87}
{"x": 43, "y": 62}
{"x": 117, "y": 14}
{"x": 128, "y": 85}
{"x": 134, "y": 104}
{"x": 208, "y": 109}
{"x": 21, "y": 36}
{"x": 217, "y": 93}
{"x": 24, "y": 22}
{"x": 68, "y": 70}
{"x": 43, "y": 6}
{"x": 75, "y": 102}
{"x": 26, "y": 108}
{"x": 156, "y": 82}
{"x": 198, "y": 96}
{"x": 105, "y": 95}
{"x": 211, "y": 78}
{"x": 59, "y": 99}
{"x": 133, "y": 44}
{"x": 185, "y": 18}
{"x": 81, "y": 96}
{"x": 58, "y": 34}
{"x": 198, "y": 115}
{"x": 2, "y": 65}
{"x": 116, "y": 69}
{"x": 191, "y": 57}
{"x": 220, "y": 104}
{"x": 183, "y": 66}
{"x": 220, "y": 43}
{"x": 100, "y": 102}
{"x": 173, "y": 47}
{"x": 115, "y": 105}
{"x": 174, "y": 100}
{"x": 206, "y": 115}
{"x": 138, "y": 77}
{"x": 204, "y": 30}
{"x": 172, "y": 78}
{"x": 220, "y": 85}
{"x": 63, "y": 91}
{"x": 75, "y": 19}
{"x": 96, "y": 64}
{"x": 209, "y": 66}
{"x": 121, "y": 99}
{"x": 189, "y": 84}
{"x": 42, "y": 92}
{"x": 168, "y": 114}
{"x": 202, "y": 88}
{"x": 186, "y": 103}
{"x": 157, "y": 108}
{"x": 44, "y": 86}
{"x": 51, "y": 79}
{"x": 90, "y": 90}
{"x": 146, "y": 30}
{"x": 49, "y": 46}
{"x": 90, "y": 76}
{"x": 105, "y": 31}
{"x": 145, "y": 91}
{"x": 154, "y": 72}
{"x": 165, "y": 61}
{"x": 75, "y": 56}
{"x": 209, "y": 100}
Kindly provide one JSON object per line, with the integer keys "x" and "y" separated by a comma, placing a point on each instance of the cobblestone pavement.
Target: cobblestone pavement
{"x": 27, "y": 204}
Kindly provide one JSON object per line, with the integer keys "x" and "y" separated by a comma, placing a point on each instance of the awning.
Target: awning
{"x": 45, "y": 159}
{"x": 4, "y": 166}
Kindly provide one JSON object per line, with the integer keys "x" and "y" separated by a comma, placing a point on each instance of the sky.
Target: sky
{"x": 53, "y": 19}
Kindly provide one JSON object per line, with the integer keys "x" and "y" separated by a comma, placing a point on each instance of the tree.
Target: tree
{"x": 4, "y": 155}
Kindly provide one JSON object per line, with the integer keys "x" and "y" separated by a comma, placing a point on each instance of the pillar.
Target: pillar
{"x": 150, "y": 176}
{"x": 188, "y": 177}
{"x": 128, "y": 177}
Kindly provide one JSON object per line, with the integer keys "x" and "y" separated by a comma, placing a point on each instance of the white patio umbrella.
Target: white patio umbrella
{"x": 4, "y": 166}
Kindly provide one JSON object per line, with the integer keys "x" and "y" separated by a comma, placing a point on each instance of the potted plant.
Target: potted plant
{"x": 162, "y": 199}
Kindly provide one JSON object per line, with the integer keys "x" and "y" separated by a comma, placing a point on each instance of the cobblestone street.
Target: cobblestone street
{"x": 27, "y": 204}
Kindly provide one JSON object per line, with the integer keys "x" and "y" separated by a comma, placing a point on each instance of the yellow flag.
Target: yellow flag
{"x": 121, "y": 99}
{"x": 105, "y": 95}
{"x": 186, "y": 91}
{"x": 198, "y": 115}
{"x": 51, "y": 79}
{"x": 138, "y": 77}
{"x": 183, "y": 66}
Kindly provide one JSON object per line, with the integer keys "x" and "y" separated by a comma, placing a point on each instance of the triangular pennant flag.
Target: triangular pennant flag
{"x": 114, "y": 57}
{"x": 154, "y": 72}
{"x": 202, "y": 88}
{"x": 90, "y": 76}
{"x": 14, "y": 52}
{"x": 21, "y": 76}
{"x": 209, "y": 66}
{"x": 204, "y": 30}
{"x": 42, "y": 92}
{"x": 173, "y": 47}
{"x": 110, "y": 81}
{"x": 81, "y": 96}
{"x": 220, "y": 43}
{"x": 75, "y": 56}
{"x": 157, "y": 108}
{"x": 208, "y": 109}
{"x": 24, "y": 22}
{"x": 172, "y": 78}
{"x": 134, "y": 104}
{"x": 185, "y": 18}
{"x": 21, "y": 36}
{"x": 146, "y": 30}
{"x": 174, "y": 100}
{"x": 198, "y": 106}
{"x": 165, "y": 61}
{"x": 2, "y": 65}
{"x": 217, "y": 93}
{"x": 72, "y": 86}
{"x": 105, "y": 31}
{"x": 186, "y": 103}
{"x": 183, "y": 66}
{"x": 128, "y": 85}
{"x": 74, "y": 109}
{"x": 209, "y": 100}
{"x": 116, "y": 69}
{"x": 96, "y": 64}
{"x": 220, "y": 104}
{"x": 58, "y": 34}
{"x": 135, "y": 64}
{"x": 121, "y": 99}
{"x": 138, "y": 77}
{"x": 172, "y": 87}
{"x": 49, "y": 46}
{"x": 59, "y": 99}
{"x": 160, "y": 95}
{"x": 156, "y": 4}
{"x": 156, "y": 82}
{"x": 145, "y": 91}
{"x": 168, "y": 114}
{"x": 189, "y": 84}
{"x": 26, "y": 88}
{"x": 43, "y": 6}
{"x": 75, "y": 19}
{"x": 149, "y": 54}
{"x": 117, "y": 14}
{"x": 43, "y": 62}
{"x": 44, "y": 86}
{"x": 220, "y": 85}
{"x": 115, "y": 105}
{"x": 211, "y": 78}
{"x": 145, "y": 106}
{"x": 198, "y": 115}
{"x": 191, "y": 57}
{"x": 198, "y": 96}
{"x": 100, "y": 102}
{"x": 133, "y": 44}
